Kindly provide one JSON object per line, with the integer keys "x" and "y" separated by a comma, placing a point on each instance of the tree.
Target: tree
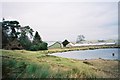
{"x": 13, "y": 26}
{"x": 65, "y": 42}
{"x": 37, "y": 39}
{"x": 13, "y": 33}
{"x": 24, "y": 39}
{"x": 80, "y": 38}
{"x": 4, "y": 39}
{"x": 101, "y": 40}
{"x": 25, "y": 42}
{"x": 38, "y": 44}
{"x": 26, "y": 31}
{"x": 9, "y": 31}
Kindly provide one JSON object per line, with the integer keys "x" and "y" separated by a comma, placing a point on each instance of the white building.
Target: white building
{"x": 89, "y": 44}
{"x": 70, "y": 45}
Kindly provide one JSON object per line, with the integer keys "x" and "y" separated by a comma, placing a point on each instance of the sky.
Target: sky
{"x": 57, "y": 21}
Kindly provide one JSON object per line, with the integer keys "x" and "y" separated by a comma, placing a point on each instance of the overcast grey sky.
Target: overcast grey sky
{"x": 56, "y": 21}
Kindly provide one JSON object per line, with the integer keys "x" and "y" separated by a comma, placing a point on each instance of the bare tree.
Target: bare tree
{"x": 80, "y": 38}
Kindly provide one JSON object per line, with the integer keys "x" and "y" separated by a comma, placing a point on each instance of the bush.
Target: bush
{"x": 39, "y": 46}
{"x": 34, "y": 48}
{"x": 43, "y": 46}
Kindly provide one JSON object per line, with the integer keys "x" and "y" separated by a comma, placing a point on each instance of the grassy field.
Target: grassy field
{"x": 37, "y": 64}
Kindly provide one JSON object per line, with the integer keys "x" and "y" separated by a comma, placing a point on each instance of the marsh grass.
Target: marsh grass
{"x": 12, "y": 68}
{"x": 38, "y": 71}
{"x": 30, "y": 67}
{"x": 16, "y": 70}
{"x": 37, "y": 64}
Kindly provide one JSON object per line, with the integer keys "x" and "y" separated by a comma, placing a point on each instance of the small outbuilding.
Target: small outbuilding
{"x": 55, "y": 45}
{"x": 70, "y": 45}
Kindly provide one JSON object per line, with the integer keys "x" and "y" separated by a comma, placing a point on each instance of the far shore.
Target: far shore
{"x": 78, "y": 48}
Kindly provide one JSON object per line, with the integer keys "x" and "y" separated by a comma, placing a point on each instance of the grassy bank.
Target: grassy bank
{"x": 37, "y": 64}
{"x": 27, "y": 64}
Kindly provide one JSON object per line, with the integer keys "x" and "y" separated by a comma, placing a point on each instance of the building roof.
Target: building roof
{"x": 70, "y": 44}
{"x": 52, "y": 42}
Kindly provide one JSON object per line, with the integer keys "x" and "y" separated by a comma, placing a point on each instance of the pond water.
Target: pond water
{"x": 109, "y": 53}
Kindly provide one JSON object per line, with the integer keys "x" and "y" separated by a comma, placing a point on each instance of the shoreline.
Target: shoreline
{"x": 50, "y": 51}
{"x": 76, "y": 49}
{"x": 86, "y": 59}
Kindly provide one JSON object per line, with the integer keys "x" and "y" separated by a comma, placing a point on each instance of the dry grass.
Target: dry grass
{"x": 109, "y": 68}
{"x": 37, "y": 64}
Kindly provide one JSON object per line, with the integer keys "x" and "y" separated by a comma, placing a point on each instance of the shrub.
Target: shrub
{"x": 34, "y": 48}
{"x": 43, "y": 46}
{"x": 39, "y": 46}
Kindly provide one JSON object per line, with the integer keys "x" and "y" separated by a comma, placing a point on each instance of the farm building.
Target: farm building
{"x": 52, "y": 45}
{"x": 89, "y": 44}
{"x": 70, "y": 45}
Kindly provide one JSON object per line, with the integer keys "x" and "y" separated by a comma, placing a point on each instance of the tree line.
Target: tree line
{"x": 14, "y": 36}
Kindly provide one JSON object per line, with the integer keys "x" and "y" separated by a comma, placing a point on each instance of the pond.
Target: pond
{"x": 109, "y": 54}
